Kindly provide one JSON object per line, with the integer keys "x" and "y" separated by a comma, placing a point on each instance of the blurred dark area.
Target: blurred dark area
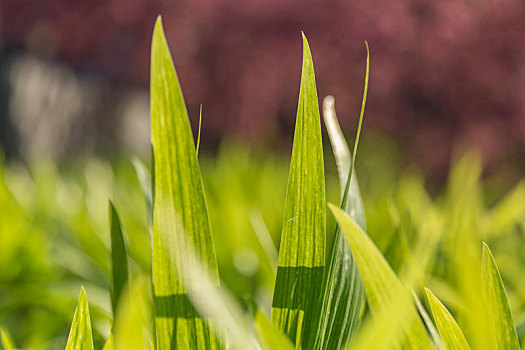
{"x": 74, "y": 74}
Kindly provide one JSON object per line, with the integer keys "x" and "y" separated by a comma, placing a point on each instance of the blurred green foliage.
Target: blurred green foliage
{"x": 54, "y": 232}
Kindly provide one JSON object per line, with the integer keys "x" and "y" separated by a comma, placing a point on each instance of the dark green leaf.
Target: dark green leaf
{"x": 119, "y": 258}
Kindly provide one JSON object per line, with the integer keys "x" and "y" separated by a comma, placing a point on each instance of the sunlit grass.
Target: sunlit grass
{"x": 167, "y": 273}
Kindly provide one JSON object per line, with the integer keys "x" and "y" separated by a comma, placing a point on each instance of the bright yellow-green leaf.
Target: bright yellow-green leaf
{"x": 382, "y": 286}
{"x": 179, "y": 206}
{"x": 271, "y": 338}
{"x": 133, "y": 317}
{"x": 438, "y": 342}
{"x": 6, "y": 342}
{"x": 302, "y": 250}
{"x": 338, "y": 315}
{"x": 80, "y": 336}
{"x": 213, "y": 302}
{"x": 109, "y": 345}
{"x": 144, "y": 178}
{"x": 449, "y": 330}
{"x": 501, "y": 329}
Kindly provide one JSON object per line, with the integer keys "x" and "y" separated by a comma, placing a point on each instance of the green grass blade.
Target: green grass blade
{"x": 501, "y": 329}
{"x": 6, "y": 342}
{"x": 80, "y": 335}
{"x": 343, "y": 158}
{"x": 449, "y": 330}
{"x": 438, "y": 343}
{"x": 302, "y": 249}
{"x": 342, "y": 297}
{"x": 382, "y": 286}
{"x": 271, "y": 338}
{"x": 178, "y": 192}
{"x": 133, "y": 316}
{"x": 343, "y": 291}
{"x": 144, "y": 178}
{"x": 119, "y": 258}
{"x": 199, "y": 132}
{"x": 265, "y": 239}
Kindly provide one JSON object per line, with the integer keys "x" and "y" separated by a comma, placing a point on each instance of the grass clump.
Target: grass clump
{"x": 164, "y": 275}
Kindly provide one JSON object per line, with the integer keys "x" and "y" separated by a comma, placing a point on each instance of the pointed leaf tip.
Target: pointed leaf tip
{"x": 306, "y": 46}
{"x": 302, "y": 248}
{"x": 449, "y": 330}
{"x": 80, "y": 335}
{"x": 177, "y": 194}
{"x": 158, "y": 21}
{"x": 501, "y": 327}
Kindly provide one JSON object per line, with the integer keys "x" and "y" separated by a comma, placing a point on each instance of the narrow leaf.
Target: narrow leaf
{"x": 178, "y": 193}
{"x": 144, "y": 178}
{"x": 342, "y": 297}
{"x": 501, "y": 329}
{"x": 449, "y": 330}
{"x": 80, "y": 336}
{"x": 119, "y": 259}
{"x": 199, "y": 132}
{"x": 302, "y": 249}
{"x": 382, "y": 286}
{"x": 428, "y": 322}
{"x": 265, "y": 239}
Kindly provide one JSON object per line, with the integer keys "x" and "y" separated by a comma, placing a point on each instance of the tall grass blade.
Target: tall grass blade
{"x": 382, "y": 286}
{"x": 80, "y": 335}
{"x": 119, "y": 258}
{"x": 342, "y": 297}
{"x": 178, "y": 192}
{"x": 449, "y": 330}
{"x": 501, "y": 329}
{"x": 302, "y": 250}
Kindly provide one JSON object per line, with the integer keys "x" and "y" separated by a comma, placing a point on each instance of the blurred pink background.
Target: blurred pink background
{"x": 443, "y": 73}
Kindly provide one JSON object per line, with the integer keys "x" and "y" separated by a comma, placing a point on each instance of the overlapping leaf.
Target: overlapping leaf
{"x": 271, "y": 338}
{"x": 449, "y": 330}
{"x": 302, "y": 249}
{"x": 133, "y": 317}
{"x": 342, "y": 296}
{"x": 383, "y": 288}
{"x": 179, "y": 206}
